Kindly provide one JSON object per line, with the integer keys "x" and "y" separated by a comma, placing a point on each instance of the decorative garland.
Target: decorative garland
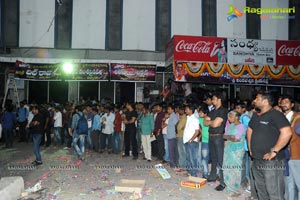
{"x": 236, "y": 71}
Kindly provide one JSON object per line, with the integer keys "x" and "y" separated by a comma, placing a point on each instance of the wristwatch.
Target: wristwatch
{"x": 273, "y": 150}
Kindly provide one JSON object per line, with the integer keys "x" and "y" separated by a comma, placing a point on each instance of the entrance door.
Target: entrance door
{"x": 127, "y": 92}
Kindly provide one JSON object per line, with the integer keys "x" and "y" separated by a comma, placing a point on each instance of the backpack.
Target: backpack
{"x": 82, "y": 126}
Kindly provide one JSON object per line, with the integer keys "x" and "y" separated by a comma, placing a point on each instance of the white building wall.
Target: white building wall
{"x": 186, "y": 17}
{"x": 89, "y": 24}
{"x": 138, "y": 30}
{"x": 277, "y": 29}
{"x": 235, "y": 28}
{"x": 36, "y": 25}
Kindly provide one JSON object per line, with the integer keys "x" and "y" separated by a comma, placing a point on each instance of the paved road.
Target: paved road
{"x": 65, "y": 177}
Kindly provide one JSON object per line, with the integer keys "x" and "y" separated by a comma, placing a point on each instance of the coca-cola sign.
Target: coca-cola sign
{"x": 288, "y": 52}
{"x": 197, "y": 48}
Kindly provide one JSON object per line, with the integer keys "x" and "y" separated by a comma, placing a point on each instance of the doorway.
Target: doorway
{"x": 126, "y": 92}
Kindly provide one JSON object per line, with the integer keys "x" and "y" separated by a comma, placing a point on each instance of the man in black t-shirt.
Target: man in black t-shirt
{"x": 130, "y": 131}
{"x": 216, "y": 120}
{"x": 268, "y": 133}
{"x": 37, "y": 129}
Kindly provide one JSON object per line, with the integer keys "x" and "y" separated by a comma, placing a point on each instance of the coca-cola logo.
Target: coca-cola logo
{"x": 288, "y": 51}
{"x": 196, "y": 47}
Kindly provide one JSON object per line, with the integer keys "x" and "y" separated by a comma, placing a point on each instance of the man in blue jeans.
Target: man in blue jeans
{"x": 37, "y": 130}
{"x": 216, "y": 120}
{"x": 190, "y": 140}
{"x": 80, "y": 150}
{"x": 268, "y": 133}
{"x": 8, "y": 121}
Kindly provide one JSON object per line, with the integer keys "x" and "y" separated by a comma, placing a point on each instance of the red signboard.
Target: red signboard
{"x": 288, "y": 52}
{"x": 196, "y": 48}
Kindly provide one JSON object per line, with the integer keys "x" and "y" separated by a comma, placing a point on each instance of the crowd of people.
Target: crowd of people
{"x": 254, "y": 144}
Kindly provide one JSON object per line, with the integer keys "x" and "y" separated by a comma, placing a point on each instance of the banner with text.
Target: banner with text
{"x": 288, "y": 52}
{"x": 133, "y": 72}
{"x": 235, "y": 74}
{"x": 248, "y": 51}
{"x": 89, "y": 72}
{"x": 40, "y": 72}
{"x": 81, "y": 71}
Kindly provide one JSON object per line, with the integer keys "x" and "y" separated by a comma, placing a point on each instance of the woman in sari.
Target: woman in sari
{"x": 233, "y": 153}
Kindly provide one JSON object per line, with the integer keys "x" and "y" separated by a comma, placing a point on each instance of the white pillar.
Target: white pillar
{"x": 134, "y": 91}
{"x": 114, "y": 92}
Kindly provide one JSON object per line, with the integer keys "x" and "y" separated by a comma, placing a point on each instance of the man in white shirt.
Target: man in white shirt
{"x": 107, "y": 121}
{"x": 57, "y": 118}
{"x": 190, "y": 140}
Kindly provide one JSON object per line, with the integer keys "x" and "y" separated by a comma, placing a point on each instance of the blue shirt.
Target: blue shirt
{"x": 171, "y": 130}
{"x": 96, "y": 123}
{"x": 22, "y": 114}
{"x": 147, "y": 124}
{"x": 75, "y": 119}
{"x": 245, "y": 119}
{"x": 8, "y": 120}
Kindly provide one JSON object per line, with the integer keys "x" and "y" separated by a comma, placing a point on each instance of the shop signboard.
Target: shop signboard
{"x": 198, "y": 48}
{"x": 133, "y": 72}
{"x": 90, "y": 72}
{"x": 52, "y": 72}
{"x": 248, "y": 51}
{"x": 41, "y": 72}
{"x": 288, "y": 52}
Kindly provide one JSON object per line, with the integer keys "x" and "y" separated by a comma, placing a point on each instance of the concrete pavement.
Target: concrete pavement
{"x": 63, "y": 176}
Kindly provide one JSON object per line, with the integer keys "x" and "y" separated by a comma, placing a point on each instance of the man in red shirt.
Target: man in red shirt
{"x": 117, "y": 135}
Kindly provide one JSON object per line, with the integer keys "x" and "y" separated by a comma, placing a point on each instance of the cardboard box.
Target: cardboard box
{"x": 126, "y": 185}
{"x": 194, "y": 182}
{"x": 160, "y": 171}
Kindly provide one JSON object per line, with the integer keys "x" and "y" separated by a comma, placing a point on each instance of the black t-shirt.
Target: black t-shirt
{"x": 46, "y": 114}
{"x": 265, "y": 132}
{"x": 222, "y": 113}
{"x": 40, "y": 127}
{"x": 129, "y": 115}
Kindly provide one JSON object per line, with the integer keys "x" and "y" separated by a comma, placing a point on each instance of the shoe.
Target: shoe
{"x": 211, "y": 180}
{"x": 36, "y": 163}
{"x": 144, "y": 158}
{"x": 101, "y": 151}
{"x": 82, "y": 158}
{"x": 67, "y": 148}
{"x": 248, "y": 191}
{"x": 163, "y": 162}
{"x": 149, "y": 160}
{"x": 125, "y": 155}
{"x": 220, "y": 187}
{"x": 135, "y": 158}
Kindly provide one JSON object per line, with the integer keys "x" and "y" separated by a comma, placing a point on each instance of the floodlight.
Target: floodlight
{"x": 68, "y": 68}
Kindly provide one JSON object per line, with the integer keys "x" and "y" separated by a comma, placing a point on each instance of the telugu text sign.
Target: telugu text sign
{"x": 248, "y": 51}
